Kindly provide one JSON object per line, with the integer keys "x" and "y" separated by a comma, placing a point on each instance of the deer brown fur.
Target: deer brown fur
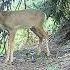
{"x": 12, "y": 20}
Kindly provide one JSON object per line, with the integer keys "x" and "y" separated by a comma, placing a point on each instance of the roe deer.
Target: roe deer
{"x": 12, "y": 20}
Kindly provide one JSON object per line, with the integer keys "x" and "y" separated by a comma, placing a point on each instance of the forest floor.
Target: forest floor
{"x": 27, "y": 59}
{"x": 24, "y": 60}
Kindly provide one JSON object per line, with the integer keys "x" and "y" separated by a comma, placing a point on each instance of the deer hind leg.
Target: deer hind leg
{"x": 45, "y": 36}
{"x": 41, "y": 34}
{"x": 37, "y": 32}
{"x": 7, "y": 53}
{"x": 10, "y": 50}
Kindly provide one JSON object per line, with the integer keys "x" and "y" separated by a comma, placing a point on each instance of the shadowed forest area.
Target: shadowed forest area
{"x": 57, "y": 23}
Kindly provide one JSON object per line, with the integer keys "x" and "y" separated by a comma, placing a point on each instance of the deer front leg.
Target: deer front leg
{"x": 7, "y": 52}
{"x": 10, "y": 49}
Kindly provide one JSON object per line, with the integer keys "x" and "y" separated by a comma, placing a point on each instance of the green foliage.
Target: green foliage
{"x": 22, "y": 37}
{"x": 51, "y": 25}
{"x": 2, "y": 50}
{"x": 3, "y": 41}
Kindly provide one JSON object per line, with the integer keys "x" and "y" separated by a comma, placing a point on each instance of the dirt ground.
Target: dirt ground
{"x": 28, "y": 59}
{"x": 23, "y": 61}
